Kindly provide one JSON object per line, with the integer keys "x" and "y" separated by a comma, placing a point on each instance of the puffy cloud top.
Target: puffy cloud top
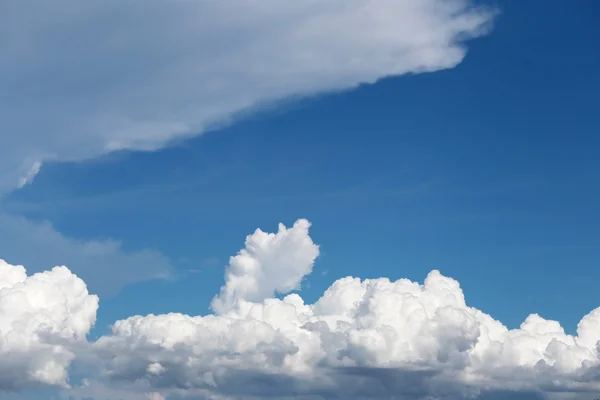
{"x": 270, "y": 263}
{"x": 362, "y": 338}
{"x": 372, "y": 338}
{"x": 40, "y": 317}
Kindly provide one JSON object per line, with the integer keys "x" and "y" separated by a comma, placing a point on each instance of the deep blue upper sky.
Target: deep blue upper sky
{"x": 488, "y": 172}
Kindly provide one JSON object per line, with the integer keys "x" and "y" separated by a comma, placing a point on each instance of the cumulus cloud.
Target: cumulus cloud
{"x": 361, "y": 339}
{"x": 371, "y": 338}
{"x": 84, "y": 78}
{"x": 42, "y": 318}
{"x": 270, "y": 263}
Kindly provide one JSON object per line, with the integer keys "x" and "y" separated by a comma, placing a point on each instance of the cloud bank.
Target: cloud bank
{"x": 372, "y": 338}
{"x": 42, "y": 319}
{"x": 80, "y": 79}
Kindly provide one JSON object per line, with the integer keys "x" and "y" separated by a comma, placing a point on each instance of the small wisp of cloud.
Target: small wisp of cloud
{"x": 30, "y": 175}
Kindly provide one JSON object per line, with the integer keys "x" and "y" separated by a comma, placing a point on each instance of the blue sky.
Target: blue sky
{"x": 487, "y": 171}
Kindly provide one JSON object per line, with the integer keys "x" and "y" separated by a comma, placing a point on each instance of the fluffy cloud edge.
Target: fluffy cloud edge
{"x": 371, "y": 338}
{"x": 44, "y": 318}
{"x": 270, "y": 263}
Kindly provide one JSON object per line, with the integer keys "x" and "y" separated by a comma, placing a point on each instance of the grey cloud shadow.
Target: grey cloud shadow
{"x": 103, "y": 264}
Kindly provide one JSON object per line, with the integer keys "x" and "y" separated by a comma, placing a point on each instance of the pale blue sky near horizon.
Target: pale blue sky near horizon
{"x": 488, "y": 172}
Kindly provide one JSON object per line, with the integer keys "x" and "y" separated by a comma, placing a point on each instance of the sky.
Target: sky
{"x": 317, "y": 200}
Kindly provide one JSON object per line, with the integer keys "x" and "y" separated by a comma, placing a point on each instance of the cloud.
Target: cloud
{"x": 41, "y": 317}
{"x": 87, "y": 78}
{"x": 103, "y": 263}
{"x": 81, "y": 79}
{"x": 31, "y": 174}
{"x": 362, "y": 339}
{"x": 270, "y": 263}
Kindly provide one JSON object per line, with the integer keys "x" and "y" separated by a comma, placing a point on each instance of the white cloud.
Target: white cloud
{"x": 84, "y": 78}
{"x": 270, "y": 263}
{"x": 41, "y": 317}
{"x": 31, "y": 174}
{"x": 362, "y": 339}
{"x": 154, "y": 396}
